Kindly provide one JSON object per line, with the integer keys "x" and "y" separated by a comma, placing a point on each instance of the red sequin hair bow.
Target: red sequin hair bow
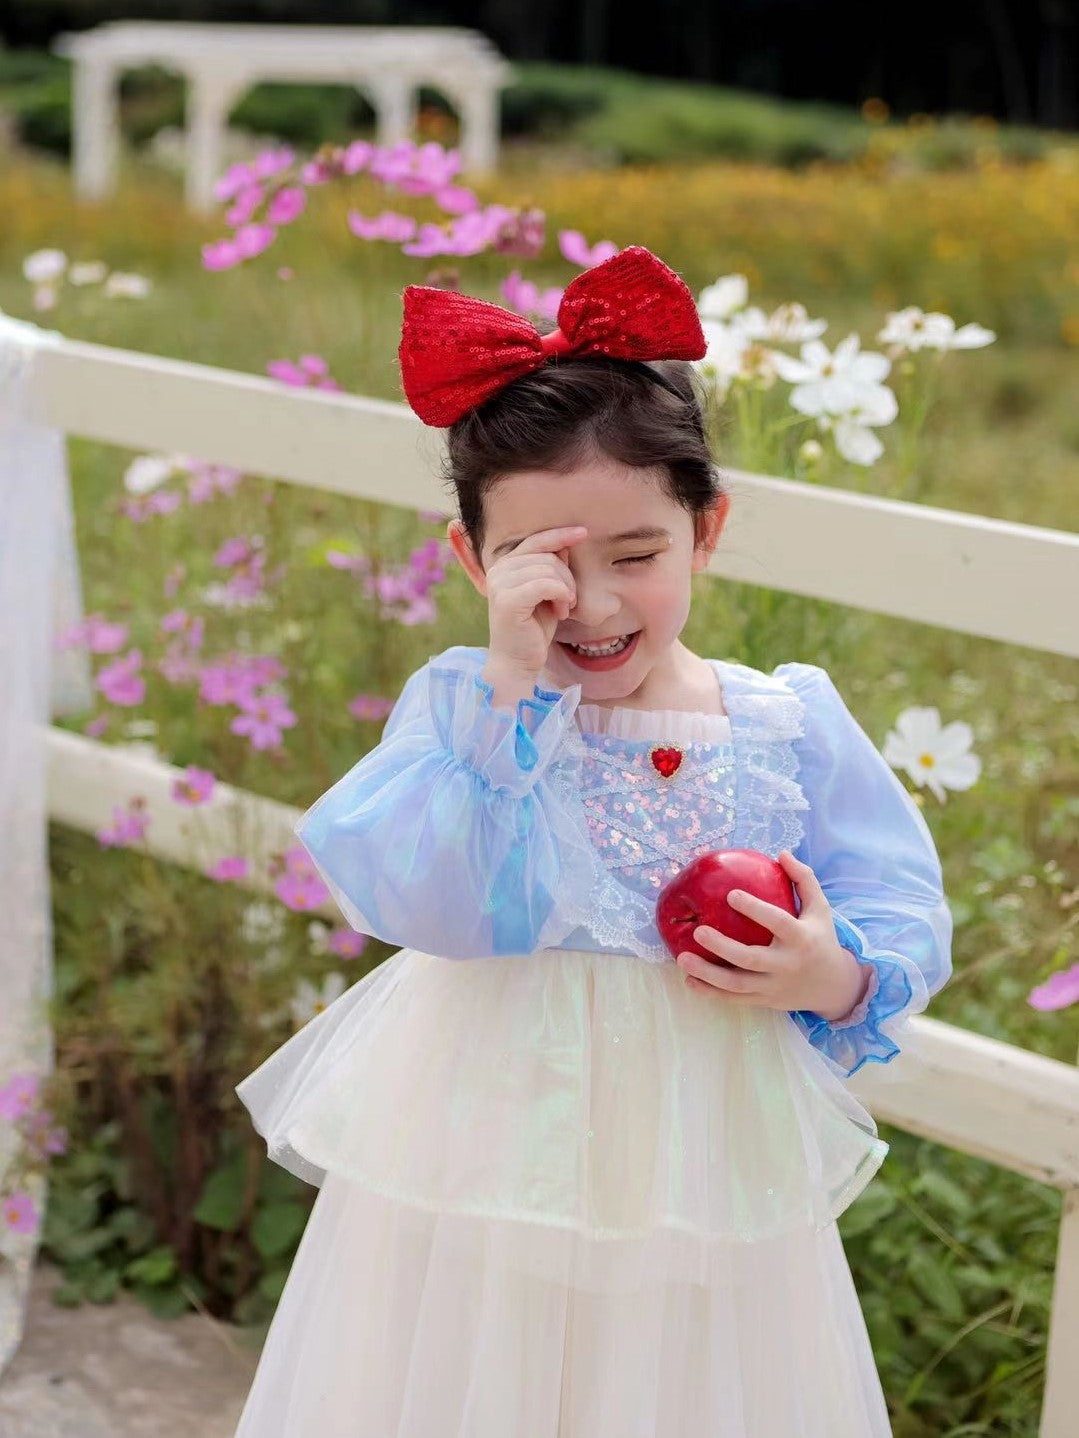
{"x": 456, "y": 351}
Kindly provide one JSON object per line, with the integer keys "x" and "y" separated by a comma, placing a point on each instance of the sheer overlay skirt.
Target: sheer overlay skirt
{"x": 563, "y": 1196}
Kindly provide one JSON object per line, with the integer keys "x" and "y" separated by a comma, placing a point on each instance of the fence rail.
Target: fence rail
{"x": 1010, "y": 582}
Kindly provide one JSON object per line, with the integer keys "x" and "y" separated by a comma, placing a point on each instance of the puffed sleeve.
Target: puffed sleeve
{"x": 447, "y": 837}
{"x": 874, "y": 856}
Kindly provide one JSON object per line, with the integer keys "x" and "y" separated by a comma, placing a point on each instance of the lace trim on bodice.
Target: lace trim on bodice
{"x": 734, "y": 788}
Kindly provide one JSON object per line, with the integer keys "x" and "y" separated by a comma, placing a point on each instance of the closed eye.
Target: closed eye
{"x": 638, "y": 558}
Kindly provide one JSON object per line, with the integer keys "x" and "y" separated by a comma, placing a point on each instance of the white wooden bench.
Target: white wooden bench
{"x": 220, "y": 63}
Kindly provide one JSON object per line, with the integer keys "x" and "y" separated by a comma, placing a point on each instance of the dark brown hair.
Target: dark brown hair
{"x": 649, "y": 416}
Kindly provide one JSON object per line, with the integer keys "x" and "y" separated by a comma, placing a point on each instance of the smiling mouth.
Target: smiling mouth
{"x": 602, "y": 648}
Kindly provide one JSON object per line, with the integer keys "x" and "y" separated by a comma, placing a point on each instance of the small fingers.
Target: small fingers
{"x": 549, "y": 541}
{"x": 700, "y": 973}
{"x": 776, "y": 920}
{"x": 746, "y": 956}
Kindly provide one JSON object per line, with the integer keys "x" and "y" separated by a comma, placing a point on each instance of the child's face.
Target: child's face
{"x": 638, "y": 587}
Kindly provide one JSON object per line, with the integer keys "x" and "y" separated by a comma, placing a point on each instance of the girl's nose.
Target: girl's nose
{"x": 595, "y": 605}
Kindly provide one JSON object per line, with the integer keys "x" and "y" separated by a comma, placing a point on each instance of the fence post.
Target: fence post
{"x": 1061, "y": 1402}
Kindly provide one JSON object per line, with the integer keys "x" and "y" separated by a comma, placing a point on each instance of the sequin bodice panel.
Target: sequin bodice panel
{"x": 646, "y": 823}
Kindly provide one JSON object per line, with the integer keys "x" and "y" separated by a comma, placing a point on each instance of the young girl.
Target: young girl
{"x": 572, "y": 1187}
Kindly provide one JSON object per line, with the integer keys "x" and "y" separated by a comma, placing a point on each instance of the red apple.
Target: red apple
{"x": 698, "y": 895}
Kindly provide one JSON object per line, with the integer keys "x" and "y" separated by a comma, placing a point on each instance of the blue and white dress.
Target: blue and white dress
{"x": 564, "y": 1195}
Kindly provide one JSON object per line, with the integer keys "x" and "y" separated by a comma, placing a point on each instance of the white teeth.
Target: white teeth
{"x": 599, "y": 651}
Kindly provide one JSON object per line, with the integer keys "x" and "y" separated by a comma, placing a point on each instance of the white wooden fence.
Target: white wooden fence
{"x": 966, "y": 573}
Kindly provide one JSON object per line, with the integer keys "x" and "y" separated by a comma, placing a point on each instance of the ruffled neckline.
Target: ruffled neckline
{"x": 619, "y": 721}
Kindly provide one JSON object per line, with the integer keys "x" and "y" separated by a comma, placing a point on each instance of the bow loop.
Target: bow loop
{"x": 457, "y": 351}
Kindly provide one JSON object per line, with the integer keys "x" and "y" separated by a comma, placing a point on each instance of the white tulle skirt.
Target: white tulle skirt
{"x": 563, "y": 1195}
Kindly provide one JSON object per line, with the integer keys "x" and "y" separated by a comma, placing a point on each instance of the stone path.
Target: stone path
{"x": 113, "y": 1371}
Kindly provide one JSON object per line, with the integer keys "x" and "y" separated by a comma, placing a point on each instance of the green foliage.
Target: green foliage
{"x": 953, "y": 1262}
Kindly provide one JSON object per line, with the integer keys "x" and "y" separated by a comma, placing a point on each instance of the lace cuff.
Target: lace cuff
{"x": 509, "y": 750}
{"x": 858, "y": 1037}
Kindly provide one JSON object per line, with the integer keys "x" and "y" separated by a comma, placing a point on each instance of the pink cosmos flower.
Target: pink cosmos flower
{"x": 138, "y": 508}
{"x": 338, "y": 559}
{"x": 263, "y": 718}
{"x": 528, "y": 299}
{"x": 43, "y": 1136}
{"x": 575, "y": 248}
{"x": 18, "y": 1096}
{"x": 20, "y": 1215}
{"x": 299, "y": 886}
{"x": 456, "y": 199}
{"x": 1059, "y": 991}
{"x": 370, "y": 706}
{"x": 128, "y": 826}
{"x": 316, "y": 172}
{"x": 221, "y": 255}
{"x": 523, "y": 234}
{"x": 96, "y": 634}
{"x": 245, "y": 205}
{"x": 232, "y": 866}
{"x": 175, "y": 622}
{"x": 346, "y": 943}
{"x": 248, "y": 241}
{"x": 311, "y": 372}
{"x": 238, "y": 550}
{"x": 208, "y": 480}
{"x": 121, "y": 683}
{"x": 96, "y": 727}
{"x": 356, "y": 157}
{"x": 272, "y": 162}
{"x": 173, "y": 579}
{"x": 388, "y": 225}
{"x": 286, "y": 205}
{"x": 236, "y": 178}
{"x": 196, "y": 786}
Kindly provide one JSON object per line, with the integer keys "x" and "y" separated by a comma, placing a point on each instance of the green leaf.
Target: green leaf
{"x": 220, "y": 1204}
{"x": 935, "y": 1283}
{"x": 948, "y": 1194}
{"x": 277, "y": 1226}
{"x": 875, "y": 1204}
{"x": 156, "y": 1267}
{"x": 103, "y": 1287}
{"x": 271, "y": 1285}
{"x": 162, "y": 1302}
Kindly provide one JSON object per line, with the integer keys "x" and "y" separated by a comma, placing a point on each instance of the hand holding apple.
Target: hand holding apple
{"x": 800, "y": 965}
{"x": 698, "y": 895}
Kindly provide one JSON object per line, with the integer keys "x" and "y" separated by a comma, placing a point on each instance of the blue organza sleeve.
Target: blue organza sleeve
{"x": 874, "y": 856}
{"x": 446, "y": 837}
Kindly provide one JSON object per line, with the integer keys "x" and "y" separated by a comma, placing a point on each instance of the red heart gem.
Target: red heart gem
{"x": 666, "y": 761}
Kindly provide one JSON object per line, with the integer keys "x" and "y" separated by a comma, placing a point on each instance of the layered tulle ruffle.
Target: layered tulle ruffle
{"x": 591, "y": 1117}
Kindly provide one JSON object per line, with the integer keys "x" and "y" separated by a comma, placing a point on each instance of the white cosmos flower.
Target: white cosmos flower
{"x": 44, "y": 267}
{"x": 308, "y": 1001}
{"x": 88, "y": 272}
{"x": 833, "y": 383}
{"x": 933, "y": 755}
{"x": 913, "y": 329}
{"x": 853, "y": 432}
{"x": 317, "y": 933}
{"x": 722, "y": 360}
{"x": 147, "y": 472}
{"x": 789, "y": 324}
{"x": 261, "y": 922}
{"x": 721, "y": 300}
{"x": 127, "y": 287}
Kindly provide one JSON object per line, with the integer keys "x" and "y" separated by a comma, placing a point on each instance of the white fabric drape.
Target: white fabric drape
{"x": 39, "y": 596}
